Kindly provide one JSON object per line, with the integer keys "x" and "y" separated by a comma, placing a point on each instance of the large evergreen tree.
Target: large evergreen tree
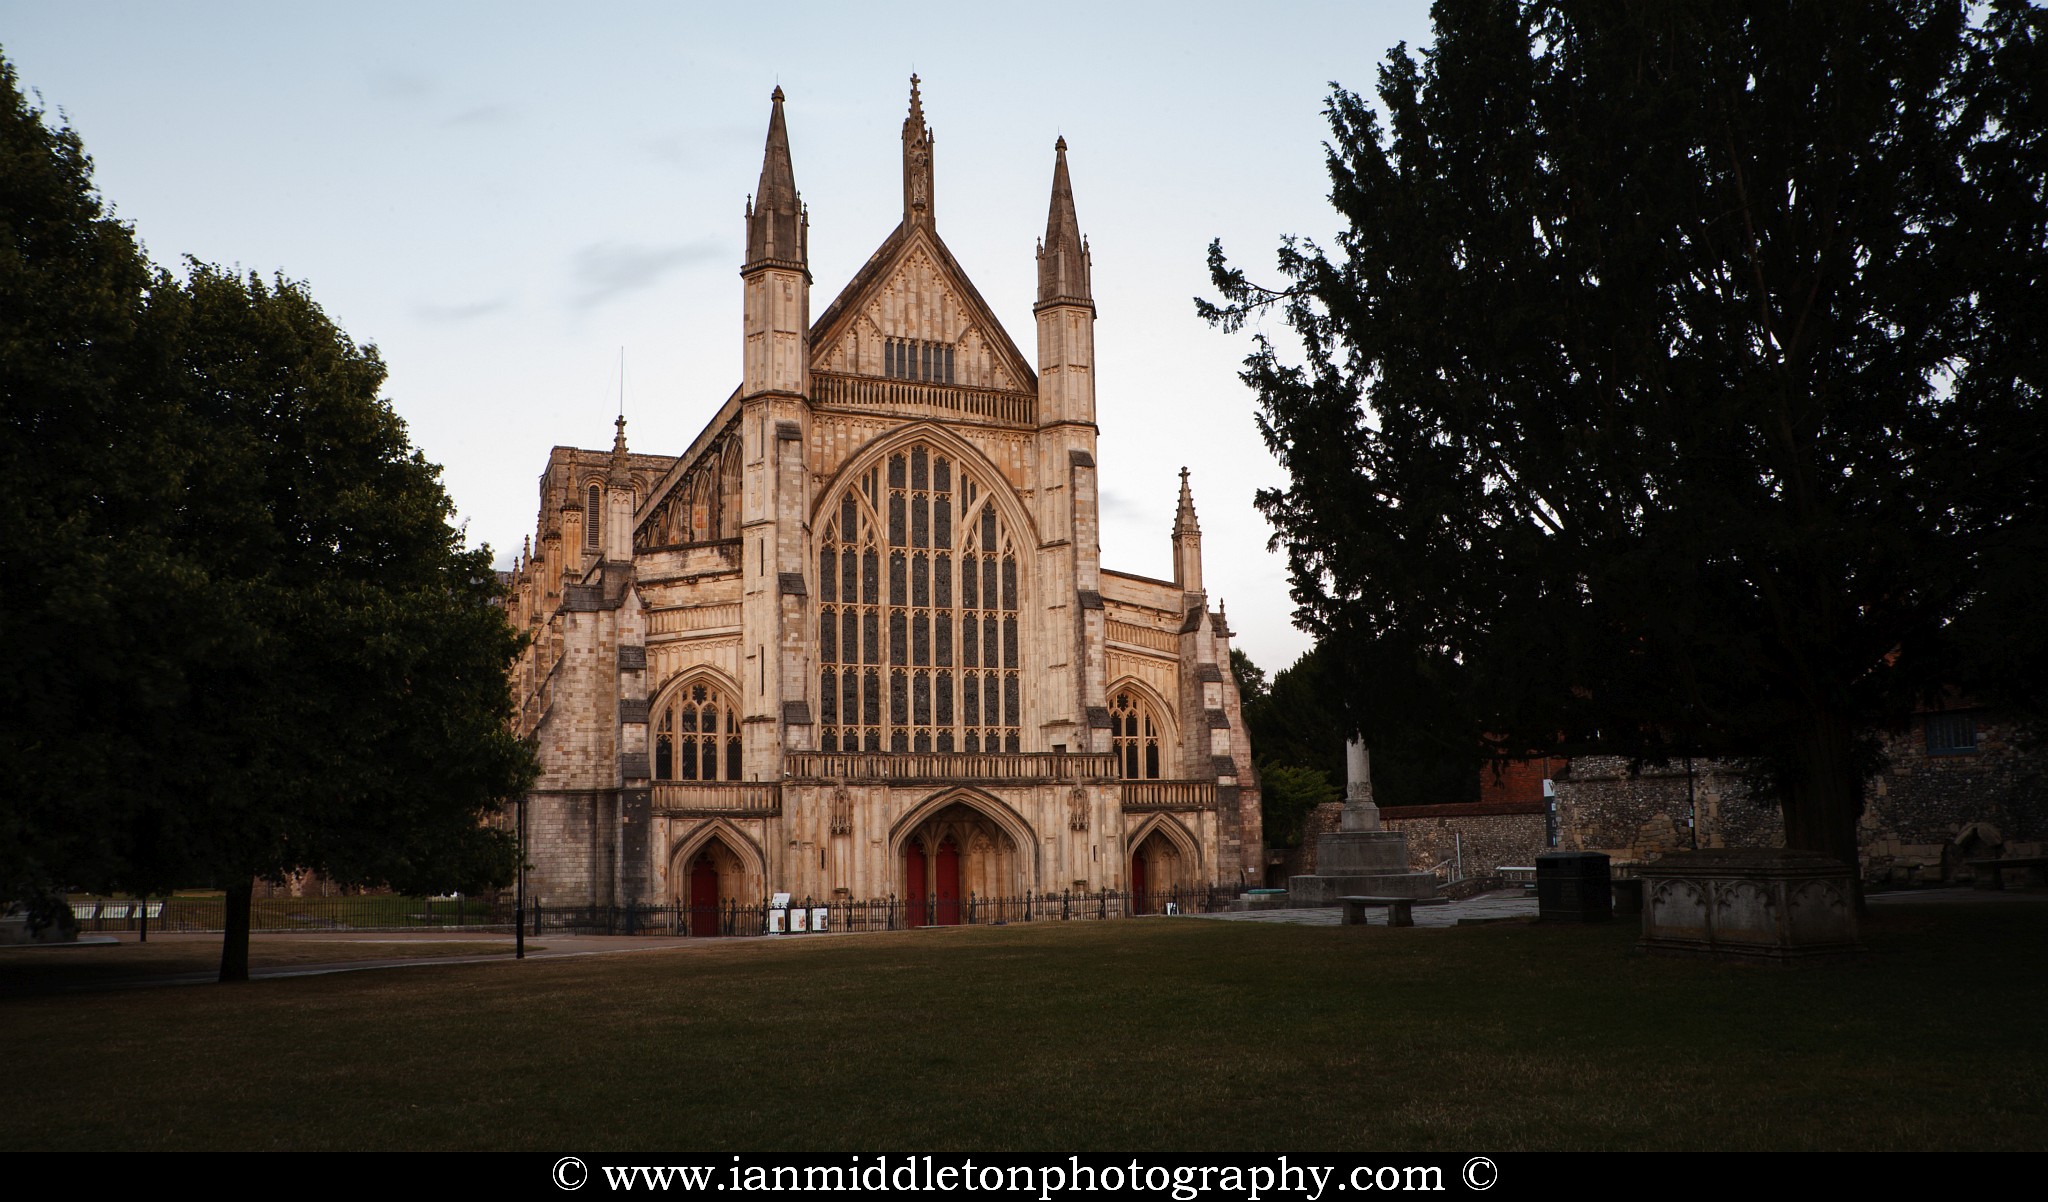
{"x": 1675, "y": 381}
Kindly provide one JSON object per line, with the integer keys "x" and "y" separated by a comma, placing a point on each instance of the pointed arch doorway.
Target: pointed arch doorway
{"x": 711, "y": 878}
{"x": 953, "y": 854}
{"x": 704, "y": 896}
{"x": 931, "y": 883}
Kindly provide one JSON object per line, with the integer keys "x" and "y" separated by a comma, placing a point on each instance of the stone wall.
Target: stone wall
{"x": 1477, "y": 837}
{"x": 1924, "y": 817}
{"x": 570, "y": 847}
{"x": 1927, "y": 815}
{"x": 1640, "y": 815}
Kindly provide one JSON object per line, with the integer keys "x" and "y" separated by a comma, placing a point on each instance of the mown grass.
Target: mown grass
{"x": 1146, "y": 1035}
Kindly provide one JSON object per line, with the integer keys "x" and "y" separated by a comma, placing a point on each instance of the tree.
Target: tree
{"x": 1287, "y": 796}
{"x": 358, "y": 729}
{"x": 1675, "y": 383}
{"x": 100, "y": 615}
{"x": 1250, "y": 678}
{"x": 1421, "y": 754}
{"x": 244, "y": 640}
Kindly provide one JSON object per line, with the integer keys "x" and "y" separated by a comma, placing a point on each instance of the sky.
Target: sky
{"x": 502, "y": 197}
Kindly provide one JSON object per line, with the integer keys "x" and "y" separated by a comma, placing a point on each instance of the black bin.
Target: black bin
{"x": 1573, "y": 886}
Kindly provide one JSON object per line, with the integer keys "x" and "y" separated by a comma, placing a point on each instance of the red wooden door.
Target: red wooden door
{"x": 703, "y": 897}
{"x": 913, "y": 884}
{"x": 1138, "y": 885}
{"x": 949, "y": 884}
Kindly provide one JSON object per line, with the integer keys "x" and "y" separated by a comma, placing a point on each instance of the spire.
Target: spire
{"x": 777, "y": 226}
{"x": 619, "y": 476}
{"x": 1184, "y": 523}
{"x": 917, "y": 163}
{"x": 1063, "y": 262}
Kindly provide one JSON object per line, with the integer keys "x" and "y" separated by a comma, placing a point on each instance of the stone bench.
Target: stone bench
{"x": 1991, "y": 873}
{"x": 1400, "y": 910}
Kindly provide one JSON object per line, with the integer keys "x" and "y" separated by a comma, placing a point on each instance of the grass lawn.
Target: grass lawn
{"x": 1094, "y": 1036}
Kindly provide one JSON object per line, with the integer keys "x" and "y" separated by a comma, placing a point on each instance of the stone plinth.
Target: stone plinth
{"x": 1749, "y": 903}
{"x": 1360, "y": 863}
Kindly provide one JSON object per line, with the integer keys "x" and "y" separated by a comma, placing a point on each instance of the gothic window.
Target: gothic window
{"x": 918, "y": 614}
{"x": 914, "y": 359}
{"x": 591, "y": 510}
{"x": 1134, "y": 737}
{"x": 697, "y": 735}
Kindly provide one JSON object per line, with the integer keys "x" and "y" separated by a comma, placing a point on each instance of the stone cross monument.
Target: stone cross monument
{"x": 1360, "y": 814}
{"x": 1360, "y": 858}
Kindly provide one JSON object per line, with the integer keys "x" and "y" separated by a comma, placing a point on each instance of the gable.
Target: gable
{"x": 912, "y": 292}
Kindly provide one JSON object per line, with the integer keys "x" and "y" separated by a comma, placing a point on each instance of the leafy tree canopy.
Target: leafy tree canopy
{"x": 247, "y": 641}
{"x": 1675, "y": 380}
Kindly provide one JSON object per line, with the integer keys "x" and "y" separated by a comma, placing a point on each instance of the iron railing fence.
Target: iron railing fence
{"x": 728, "y": 918}
{"x": 369, "y": 912}
{"x": 731, "y": 918}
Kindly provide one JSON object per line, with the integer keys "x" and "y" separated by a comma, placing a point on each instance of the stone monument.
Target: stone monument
{"x": 1360, "y": 859}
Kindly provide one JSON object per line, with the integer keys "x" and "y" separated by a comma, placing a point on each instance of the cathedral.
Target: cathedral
{"x": 855, "y": 643}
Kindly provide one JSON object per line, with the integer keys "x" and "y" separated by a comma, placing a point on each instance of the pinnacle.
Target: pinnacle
{"x": 772, "y": 220}
{"x": 1063, "y": 256}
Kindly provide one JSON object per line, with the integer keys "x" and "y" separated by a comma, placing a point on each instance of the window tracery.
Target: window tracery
{"x": 1134, "y": 736}
{"x": 697, "y": 735}
{"x": 918, "y": 636}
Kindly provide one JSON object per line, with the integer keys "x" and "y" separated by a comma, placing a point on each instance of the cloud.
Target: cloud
{"x": 453, "y": 314}
{"x": 1114, "y": 504}
{"x": 393, "y": 84}
{"x": 483, "y": 114}
{"x": 606, "y": 270}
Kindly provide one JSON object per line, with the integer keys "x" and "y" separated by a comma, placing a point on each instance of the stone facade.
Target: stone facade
{"x": 855, "y": 641}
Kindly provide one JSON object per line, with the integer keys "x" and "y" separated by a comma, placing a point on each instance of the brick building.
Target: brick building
{"x": 855, "y": 641}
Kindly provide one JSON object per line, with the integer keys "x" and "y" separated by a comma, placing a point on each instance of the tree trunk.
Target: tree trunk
{"x": 234, "y": 943}
{"x": 1823, "y": 796}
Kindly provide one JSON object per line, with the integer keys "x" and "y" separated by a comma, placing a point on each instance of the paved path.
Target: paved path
{"x": 1487, "y": 907}
{"x": 1502, "y": 903}
{"x": 1511, "y": 903}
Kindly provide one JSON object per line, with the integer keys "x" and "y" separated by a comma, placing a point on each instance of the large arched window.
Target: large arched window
{"x": 593, "y": 522}
{"x": 918, "y": 613}
{"x": 696, "y": 735}
{"x": 1134, "y": 736}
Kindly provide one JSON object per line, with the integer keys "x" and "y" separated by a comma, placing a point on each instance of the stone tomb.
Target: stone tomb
{"x": 1359, "y": 858}
{"x": 1752, "y": 903}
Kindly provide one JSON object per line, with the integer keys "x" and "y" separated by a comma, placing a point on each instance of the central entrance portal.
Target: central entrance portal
{"x": 958, "y": 856}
